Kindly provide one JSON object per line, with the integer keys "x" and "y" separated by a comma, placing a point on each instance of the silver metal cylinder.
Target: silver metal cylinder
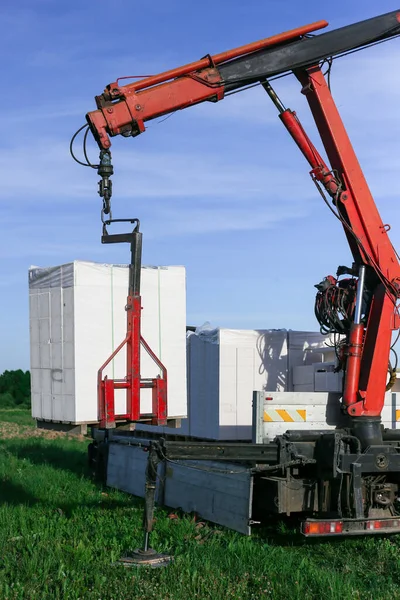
{"x": 273, "y": 95}
{"x": 146, "y": 541}
{"x": 359, "y": 297}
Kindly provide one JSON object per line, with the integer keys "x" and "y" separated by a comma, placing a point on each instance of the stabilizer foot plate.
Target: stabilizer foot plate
{"x": 146, "y": 558}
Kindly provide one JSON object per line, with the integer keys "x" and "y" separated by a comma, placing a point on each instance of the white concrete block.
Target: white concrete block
{"x": 303, "y": 375}
{"x": 328, "y": 381}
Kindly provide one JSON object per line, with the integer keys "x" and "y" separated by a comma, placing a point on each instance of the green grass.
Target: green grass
{"x": 61, "y": 534}
{"x": 17, "y": 415}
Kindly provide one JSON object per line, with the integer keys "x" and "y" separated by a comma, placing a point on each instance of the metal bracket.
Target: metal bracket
{"x": 356, "y": 470}
{"x": 117, "y": 238}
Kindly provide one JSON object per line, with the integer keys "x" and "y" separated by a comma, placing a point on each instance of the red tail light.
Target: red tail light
{"x": 383, "y": 524}
{"x": 322, "y": 527}
{"x": 350, "y": 527}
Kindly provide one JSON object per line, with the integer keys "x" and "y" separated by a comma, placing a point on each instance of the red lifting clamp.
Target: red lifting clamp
{"x": 133, "y": 341}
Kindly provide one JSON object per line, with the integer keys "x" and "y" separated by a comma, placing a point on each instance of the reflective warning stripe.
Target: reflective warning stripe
{"x": 287, "y": 415}
{"x": 397, "y": 415}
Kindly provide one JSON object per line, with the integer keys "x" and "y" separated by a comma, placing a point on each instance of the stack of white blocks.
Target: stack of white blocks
{"x": 225, "y": 366}
{"x": 77, "y": 319}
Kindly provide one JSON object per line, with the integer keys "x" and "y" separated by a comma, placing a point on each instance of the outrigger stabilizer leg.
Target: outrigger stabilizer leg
{"x": 146, "y": 556}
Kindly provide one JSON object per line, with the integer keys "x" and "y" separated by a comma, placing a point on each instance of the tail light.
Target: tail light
{"x": 382, "y": 524}
{"x": 350, "y": 527}
{"x": 322, "y": 527}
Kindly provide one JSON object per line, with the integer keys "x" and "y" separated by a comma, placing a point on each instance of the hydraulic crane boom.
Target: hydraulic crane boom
{"x": 363, "y": 308}
{"x": 123, "y": 109}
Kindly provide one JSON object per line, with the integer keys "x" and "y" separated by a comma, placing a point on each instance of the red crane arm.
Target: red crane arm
{"x": 172, "y": 90}
{"x": 123, "y": 109}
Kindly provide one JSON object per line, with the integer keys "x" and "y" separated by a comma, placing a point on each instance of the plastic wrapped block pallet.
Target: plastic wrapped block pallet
{"x": 78, "y": 317}
{"x": 226, "y": 366}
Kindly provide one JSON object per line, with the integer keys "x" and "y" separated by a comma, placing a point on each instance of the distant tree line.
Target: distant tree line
{"x": 15, "y": 389}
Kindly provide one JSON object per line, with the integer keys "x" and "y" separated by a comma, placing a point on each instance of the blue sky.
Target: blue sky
{"x": 219, "y": 188}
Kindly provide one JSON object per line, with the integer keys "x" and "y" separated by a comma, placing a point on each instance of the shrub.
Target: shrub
{"x": 15, "y": 389}
{"x": 7, "y": 400}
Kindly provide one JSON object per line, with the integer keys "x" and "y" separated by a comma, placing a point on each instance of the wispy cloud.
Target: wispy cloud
{"x": 45, "y": 113}
{"x": 50, "y": 174}
{"x": 213, "y": 220}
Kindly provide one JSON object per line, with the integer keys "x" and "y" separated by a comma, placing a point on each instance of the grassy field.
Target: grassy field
{"x": 61, "y": 534}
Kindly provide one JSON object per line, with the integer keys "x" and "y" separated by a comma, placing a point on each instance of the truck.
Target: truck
{"x": 342, "y": 480}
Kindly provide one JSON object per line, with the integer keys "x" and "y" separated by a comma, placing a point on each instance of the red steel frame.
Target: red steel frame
{"x": 133, "y": 382}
